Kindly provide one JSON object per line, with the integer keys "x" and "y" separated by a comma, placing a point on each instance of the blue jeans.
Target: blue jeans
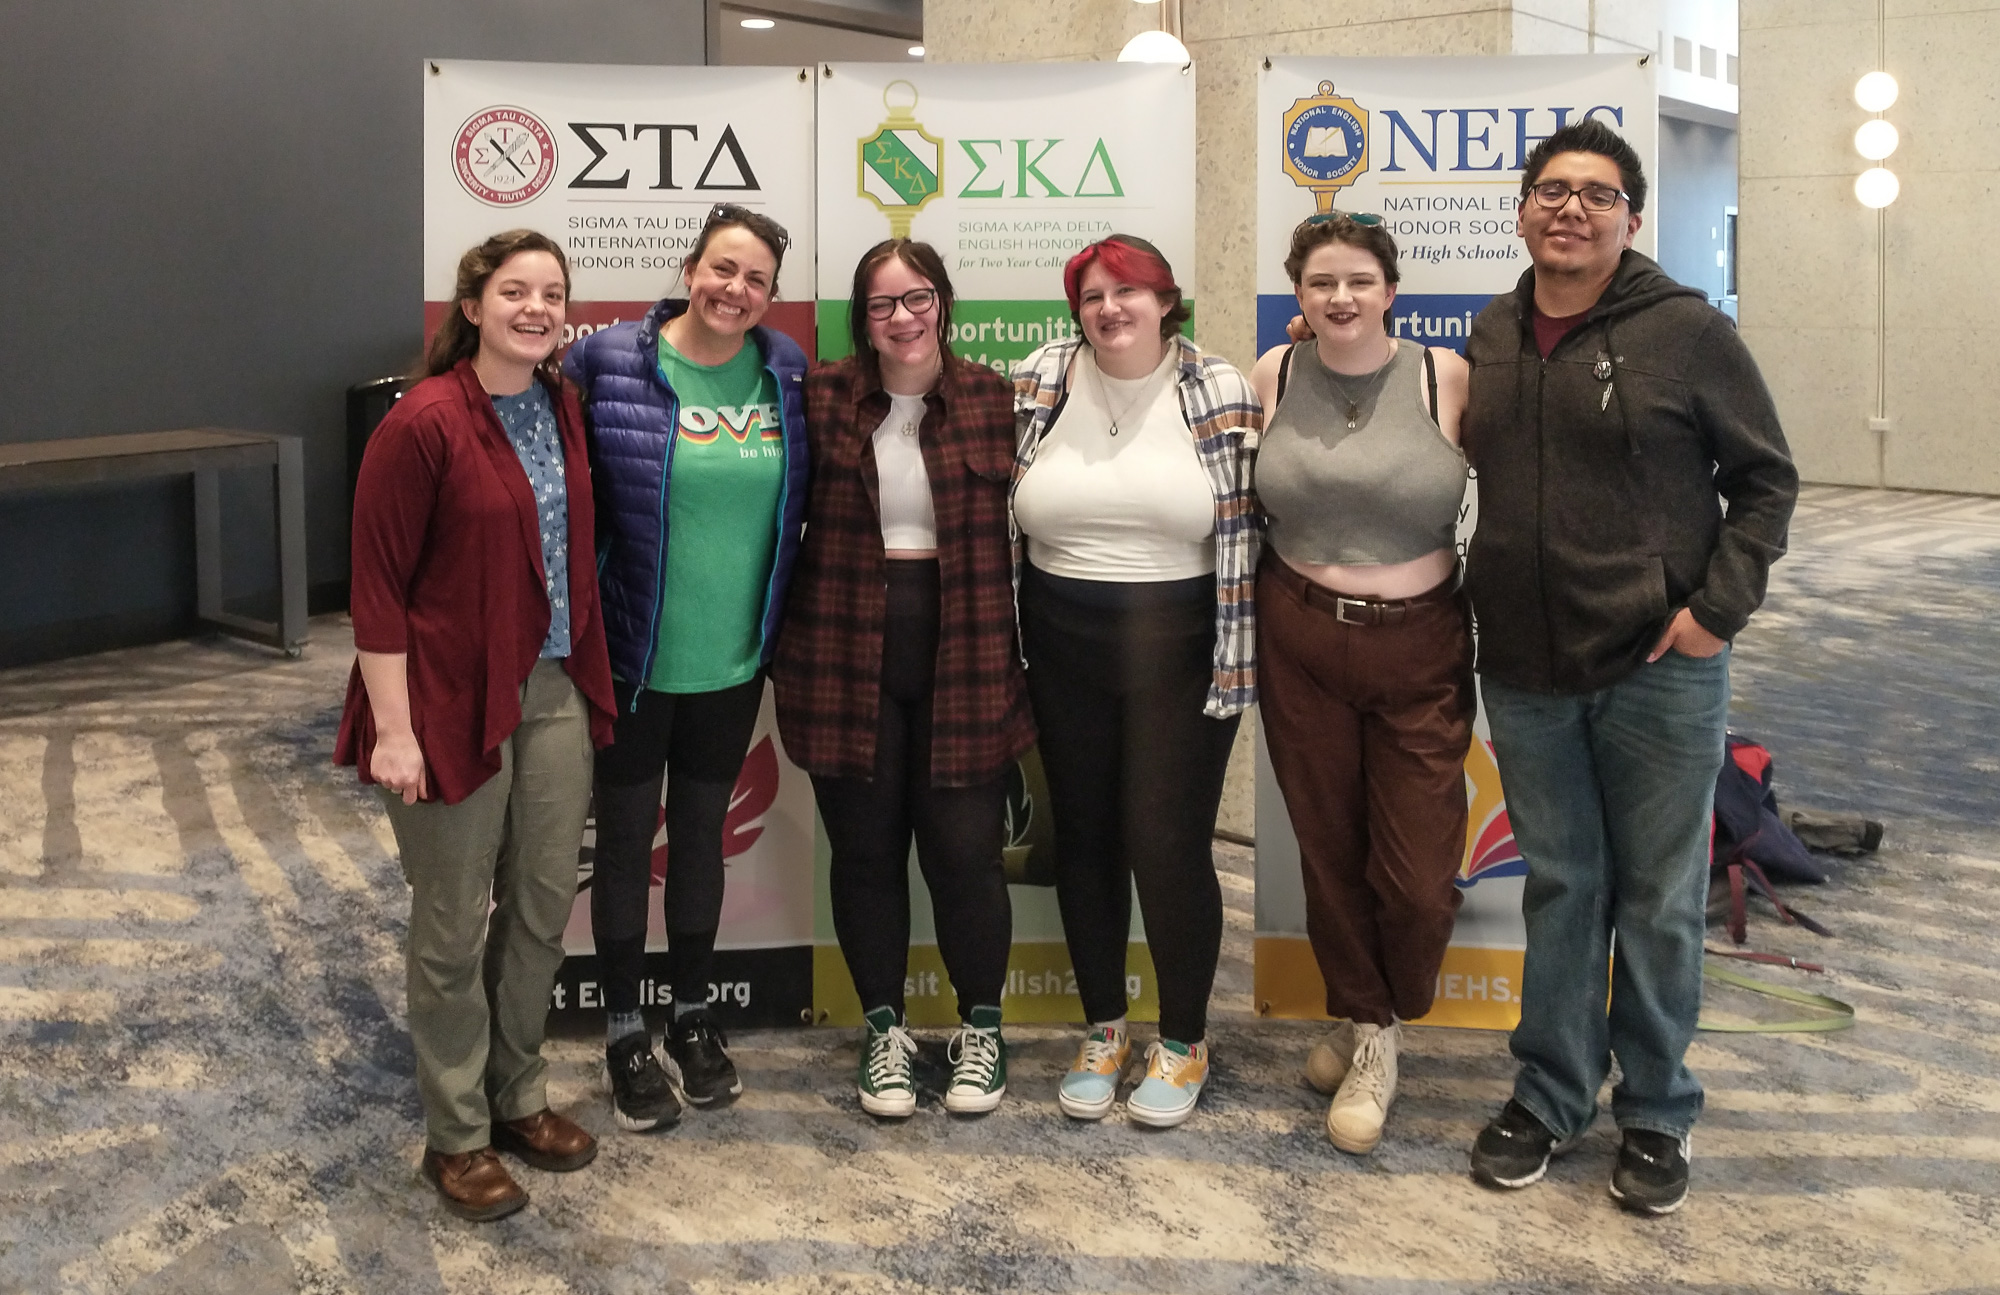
{"x": 1610, "y": 795}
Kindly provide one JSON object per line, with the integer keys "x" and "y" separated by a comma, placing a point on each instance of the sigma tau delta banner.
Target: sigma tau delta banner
{"x": 620, "y": 165}
{"x": 1435, "y": 147}
{"x": 1008, "y": 171}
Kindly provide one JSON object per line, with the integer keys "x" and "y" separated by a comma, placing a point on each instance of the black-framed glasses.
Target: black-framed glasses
{"x": 1555, "y": 195}
{"x": 737, "y": 213}
{"x": 918, "y": 301}
{"x": 1358, "y": 217}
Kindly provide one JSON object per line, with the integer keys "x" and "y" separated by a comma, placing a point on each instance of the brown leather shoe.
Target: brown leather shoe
{"x": 474, "y": 1185}
{"x": 546, "y": 1141}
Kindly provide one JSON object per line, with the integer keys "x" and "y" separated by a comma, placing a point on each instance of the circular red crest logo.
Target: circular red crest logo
{"x": 504, "y": 156}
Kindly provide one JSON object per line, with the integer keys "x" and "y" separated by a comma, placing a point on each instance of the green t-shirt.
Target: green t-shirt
{"x": 722, "y": 521}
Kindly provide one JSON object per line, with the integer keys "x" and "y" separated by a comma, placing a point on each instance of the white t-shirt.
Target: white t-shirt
{"x": 1127, "y": 508}
{"x": 904, "y": 487}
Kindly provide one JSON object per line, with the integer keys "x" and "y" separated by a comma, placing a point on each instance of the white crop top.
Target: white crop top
{"x": 908, "y": 521}
{"x": 1127, "y": 508}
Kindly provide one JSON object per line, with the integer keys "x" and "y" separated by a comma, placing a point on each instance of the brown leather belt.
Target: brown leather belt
{"x": 1350, "y": 610}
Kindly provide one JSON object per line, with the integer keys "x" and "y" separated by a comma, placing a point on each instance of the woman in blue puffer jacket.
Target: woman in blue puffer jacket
{"x": 698, "y": 454}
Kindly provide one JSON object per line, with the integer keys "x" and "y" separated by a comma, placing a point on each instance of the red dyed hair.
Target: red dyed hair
{"x": 1128, "y": 260}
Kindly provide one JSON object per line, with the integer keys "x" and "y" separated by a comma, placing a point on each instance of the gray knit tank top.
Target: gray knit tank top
{"x": 1387, "y": 491}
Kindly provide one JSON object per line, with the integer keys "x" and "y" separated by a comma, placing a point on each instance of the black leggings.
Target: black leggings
{"x": 701, "y": 739}
{"x": 958, "y": 830}
{"x": 1119, "y": 674}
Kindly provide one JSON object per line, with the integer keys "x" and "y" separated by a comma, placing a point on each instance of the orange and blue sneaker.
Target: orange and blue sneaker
{"x": 1175, "y": 1073}
{"x": 1092, "y": 1082}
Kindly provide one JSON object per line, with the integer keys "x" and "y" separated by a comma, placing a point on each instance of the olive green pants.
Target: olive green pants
{"x": 492, "y": 880}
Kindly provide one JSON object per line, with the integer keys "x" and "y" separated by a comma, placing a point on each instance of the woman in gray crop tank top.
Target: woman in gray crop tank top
{"x": 1364, "y": 651}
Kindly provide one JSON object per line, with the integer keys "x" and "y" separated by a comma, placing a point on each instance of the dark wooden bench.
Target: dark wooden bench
{"x": 203, "y": 453}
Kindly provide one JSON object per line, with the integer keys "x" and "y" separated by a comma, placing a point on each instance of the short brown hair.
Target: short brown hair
{"x": 921, "y": 257}
{"x": 1311, "y": 235}
{"x": 727, "y": 215}
{"x": 457, "y": 338}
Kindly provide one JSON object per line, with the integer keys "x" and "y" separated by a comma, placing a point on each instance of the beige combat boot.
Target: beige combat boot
{"x": 1354, "y": 1120}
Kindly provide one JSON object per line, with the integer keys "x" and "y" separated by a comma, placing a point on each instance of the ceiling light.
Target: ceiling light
{"x": 1876, "y": 91}
{"x": 1876, "y": 139}
{"x": 758, "y": 24}
{"x": 916, "y": 51}
{"x": 1877, "y": 186}
{"x": 1154, "y": 47}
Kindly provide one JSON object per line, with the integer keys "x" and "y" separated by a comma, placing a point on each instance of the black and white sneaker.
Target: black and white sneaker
{"x": 699, "y": 1050}
{"x": 642, "y": 1096}
{"x": 1652, "y": 1172}
{"x": 1514, "y": 1148}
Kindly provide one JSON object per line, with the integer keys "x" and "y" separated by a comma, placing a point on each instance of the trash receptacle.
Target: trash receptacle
{"x": 368, "y": 403}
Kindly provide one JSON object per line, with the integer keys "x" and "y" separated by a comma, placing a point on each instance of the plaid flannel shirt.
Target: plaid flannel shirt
{"x": 828, "y": 670}
{"x": 1227, "y": 421}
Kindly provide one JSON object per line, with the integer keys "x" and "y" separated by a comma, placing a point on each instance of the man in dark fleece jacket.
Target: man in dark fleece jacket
{"x": 1609, "y": 409}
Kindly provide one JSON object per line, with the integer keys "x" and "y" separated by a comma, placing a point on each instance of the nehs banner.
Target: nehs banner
{"x": 1435, "y": 147}
{"x": 620, "y": 165}
{"x": 1008, "y": 171}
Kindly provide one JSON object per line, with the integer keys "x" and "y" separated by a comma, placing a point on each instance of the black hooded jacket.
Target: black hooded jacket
{"x": 1599, "y": 474}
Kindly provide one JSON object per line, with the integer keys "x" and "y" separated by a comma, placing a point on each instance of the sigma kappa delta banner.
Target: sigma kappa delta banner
{"x": 1434, "y": 146}
{"x": 1007, "y": 170}
{"x": 621, "y": 165}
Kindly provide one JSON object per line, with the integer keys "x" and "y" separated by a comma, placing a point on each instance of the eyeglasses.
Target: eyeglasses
{"x": 1555, "y": 195}
{"x": 757, "y": 221}
{"x": 918, "y": 301}
{"x": 1358, "y": 217}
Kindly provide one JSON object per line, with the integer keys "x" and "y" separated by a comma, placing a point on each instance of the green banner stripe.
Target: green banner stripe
{"x": 903, "y": 171}
{"x": 996, "y": 333}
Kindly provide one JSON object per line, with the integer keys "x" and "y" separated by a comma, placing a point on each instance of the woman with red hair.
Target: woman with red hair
{"x": 1132, "y": 492}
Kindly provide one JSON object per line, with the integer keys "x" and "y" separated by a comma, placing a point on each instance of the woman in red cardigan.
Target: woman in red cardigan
{"x": 899, "y": 682}
{"x": 480, "y": 693}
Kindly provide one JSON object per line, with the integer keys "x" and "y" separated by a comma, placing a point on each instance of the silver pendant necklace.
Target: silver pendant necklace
{"x": 1354, "y": 403}
{"x": 1139, "y": 402}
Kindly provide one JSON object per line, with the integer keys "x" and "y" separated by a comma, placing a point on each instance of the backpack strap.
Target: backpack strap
{"x": 1285, "y": 371}
{"x": 1431, "y": 379}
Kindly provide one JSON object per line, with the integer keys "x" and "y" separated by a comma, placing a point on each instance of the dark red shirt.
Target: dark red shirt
{"x": 447, "y": 569}
{"x": 1551, "y": 329}
{"x": 828, "y": 670}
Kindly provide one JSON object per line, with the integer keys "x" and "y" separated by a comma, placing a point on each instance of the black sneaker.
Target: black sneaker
{"x": 1652, "y": 1172}
{"x": 642, "y": 1097}
{"x": 696, "y": 1044}
{"x": 1514, "y": 1148}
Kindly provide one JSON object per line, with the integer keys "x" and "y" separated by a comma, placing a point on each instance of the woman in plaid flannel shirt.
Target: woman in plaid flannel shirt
{"x": 899, "y": 683}
{"x": 1132, "y": 489}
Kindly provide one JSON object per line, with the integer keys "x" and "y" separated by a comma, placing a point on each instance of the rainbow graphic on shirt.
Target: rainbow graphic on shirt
{"x": 702, "y": 424}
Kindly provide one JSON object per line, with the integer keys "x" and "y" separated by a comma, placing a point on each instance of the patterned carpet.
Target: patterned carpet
{"x": 204, "y": 1076}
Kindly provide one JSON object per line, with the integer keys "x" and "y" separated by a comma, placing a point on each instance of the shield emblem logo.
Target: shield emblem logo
{"x": 900, "y": 167}
{"x": 1326, "y": 144}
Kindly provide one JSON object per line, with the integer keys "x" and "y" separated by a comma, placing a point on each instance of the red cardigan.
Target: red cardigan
{"x": 447, "y": 568}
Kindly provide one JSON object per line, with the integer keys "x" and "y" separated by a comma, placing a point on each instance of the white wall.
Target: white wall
{"x": 1808, "y": 249}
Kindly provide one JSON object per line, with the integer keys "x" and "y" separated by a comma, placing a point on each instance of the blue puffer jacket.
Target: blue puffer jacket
{"x": 632, "y": 414}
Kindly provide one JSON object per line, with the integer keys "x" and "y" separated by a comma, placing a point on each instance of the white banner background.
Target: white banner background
{"x": 1035, "y": 161}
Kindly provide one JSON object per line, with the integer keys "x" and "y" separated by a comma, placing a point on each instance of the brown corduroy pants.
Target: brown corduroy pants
{"x": 1367, "y": 712}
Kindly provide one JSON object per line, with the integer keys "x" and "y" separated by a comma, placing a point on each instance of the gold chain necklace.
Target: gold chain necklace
{"x": 1354, "y": 403}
